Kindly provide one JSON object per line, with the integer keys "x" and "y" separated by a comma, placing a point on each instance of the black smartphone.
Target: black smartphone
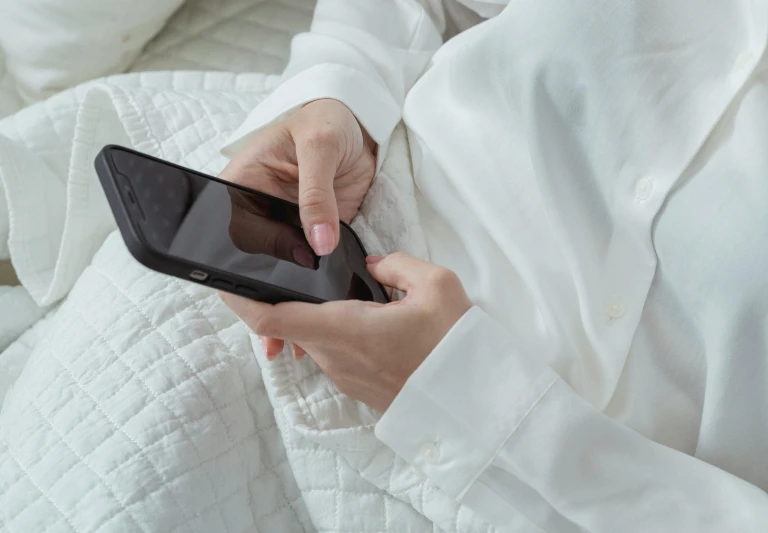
{"x": 196, "y": 227}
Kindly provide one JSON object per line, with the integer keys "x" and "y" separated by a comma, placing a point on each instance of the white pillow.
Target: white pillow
{"x": 54, "y": 44}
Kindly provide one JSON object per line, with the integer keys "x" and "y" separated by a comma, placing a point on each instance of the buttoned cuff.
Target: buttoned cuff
{"x": 462, "y": 404}
{"x": 370, "y": 101}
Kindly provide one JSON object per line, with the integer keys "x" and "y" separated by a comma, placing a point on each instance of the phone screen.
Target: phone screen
{"x": 190, "y": 216}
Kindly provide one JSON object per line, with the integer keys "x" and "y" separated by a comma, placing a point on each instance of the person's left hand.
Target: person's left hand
{"x": 368, "y": 349}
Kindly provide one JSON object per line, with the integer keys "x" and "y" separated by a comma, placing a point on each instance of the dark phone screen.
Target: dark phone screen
{"x": 192, "y": 217}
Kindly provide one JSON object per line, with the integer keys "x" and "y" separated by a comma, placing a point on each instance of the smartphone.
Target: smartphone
{"x": 196, "y": 227}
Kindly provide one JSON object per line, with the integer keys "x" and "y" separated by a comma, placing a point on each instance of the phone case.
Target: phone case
{"x": 126, "y": 211}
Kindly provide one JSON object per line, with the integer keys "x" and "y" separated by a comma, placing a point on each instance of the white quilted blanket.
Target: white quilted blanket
{"x": 141, "y": 403}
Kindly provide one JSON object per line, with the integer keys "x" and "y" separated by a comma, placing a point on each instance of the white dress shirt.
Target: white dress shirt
{"x": 596, "y": 172}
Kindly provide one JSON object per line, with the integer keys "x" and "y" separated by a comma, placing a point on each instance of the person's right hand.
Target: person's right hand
{"x": 319, "y": 157}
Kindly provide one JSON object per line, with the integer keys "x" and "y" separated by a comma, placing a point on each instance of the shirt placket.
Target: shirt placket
{"x": 630, "y": 263}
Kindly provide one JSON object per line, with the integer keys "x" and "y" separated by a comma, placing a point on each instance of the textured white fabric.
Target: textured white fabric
{"x": 225, "y": 35}
{"x": 143, "y": 403}
{"x": 14, "y": 358}
{"x": 17, "y": 313}
{"x": 51, "y": 45}
{"x": 230, "y": 35}
{"x": 594, "y": 172}
{"x": 140, "y": 406}
{"x": 10, "y": 101}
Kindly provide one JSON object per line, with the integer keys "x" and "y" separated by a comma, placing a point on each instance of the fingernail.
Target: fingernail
{"x": 263, "y": 341}
{"x": 321, "y": 237}
{"x": 373, "y": 259}
{"x": 303, "y": 257}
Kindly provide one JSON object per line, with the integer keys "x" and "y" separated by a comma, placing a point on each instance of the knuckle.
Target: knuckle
{"x": 264, "y": 150}
{"x": 248, "y": 172}
{"x": 314, "y": 195}
{"x": 444, "y": 279}
{"x": 266, "y": 325}
{"x": 314, "y": 201}
{"x": 324, "y": 136}
{"x": 397, "y": 256}
{"x": 233, "y": 172}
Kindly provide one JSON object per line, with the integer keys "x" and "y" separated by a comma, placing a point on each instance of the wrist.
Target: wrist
{"x": 465, "y": 400}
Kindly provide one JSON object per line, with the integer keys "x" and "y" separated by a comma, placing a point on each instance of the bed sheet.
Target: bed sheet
{"x": 143, "y": 404}
{"x": 229, "y": 35}
{"x": 10, "y": 102}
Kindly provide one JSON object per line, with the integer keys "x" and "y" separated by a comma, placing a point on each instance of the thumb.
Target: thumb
{"x": 318, "y": 160}
{"x": 400, "y": 270}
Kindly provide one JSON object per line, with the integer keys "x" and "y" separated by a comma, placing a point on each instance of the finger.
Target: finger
{"x": 297, "y": 321}
{"x": 400, "y": 271}
{"x": 298, "y": 352}
{"x": 318, "y": 155}
{"x": 303, "y": 322}
{"x": 272, "y": 347}
{"x": 267, "y": 156}
{"x": 249, "y": 310}
{"x": 372, "y": 259}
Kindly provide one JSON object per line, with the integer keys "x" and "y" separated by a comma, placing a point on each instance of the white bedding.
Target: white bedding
{"x": 207, "y": 35}
{"x": 142, "y": 403}
{"x": 10, "y": 101}
{"x": 230, "y": 35}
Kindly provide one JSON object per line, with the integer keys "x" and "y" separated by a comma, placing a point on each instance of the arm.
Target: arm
{"x": 493, "y": 428}
{"x": 529, "y": 427}
{"x": 364, "y": 53}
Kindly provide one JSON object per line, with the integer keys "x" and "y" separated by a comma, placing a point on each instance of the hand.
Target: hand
{"x": 368, "y": 349}
{"x": 319, "y": 157}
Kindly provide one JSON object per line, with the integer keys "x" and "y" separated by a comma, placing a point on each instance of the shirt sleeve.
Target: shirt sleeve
{"x": 365, "y": 53}
{"x": 529, "y": 430}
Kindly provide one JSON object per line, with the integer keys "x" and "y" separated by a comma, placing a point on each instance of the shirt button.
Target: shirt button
{"x": 615, "y": 309}
{"x": 430, "y": 452}
{"x": 643, "y": 189}
{"x": 742, "y": 61}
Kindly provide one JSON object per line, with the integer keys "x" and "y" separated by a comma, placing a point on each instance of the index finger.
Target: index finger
{"x": 296, "y": 321}
{"x": 318, "y": 159}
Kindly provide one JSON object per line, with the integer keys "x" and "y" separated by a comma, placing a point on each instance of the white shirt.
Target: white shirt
{"x": 596, "y": 172}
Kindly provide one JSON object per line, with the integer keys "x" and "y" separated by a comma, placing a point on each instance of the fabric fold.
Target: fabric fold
{"x": 147, "y": 359}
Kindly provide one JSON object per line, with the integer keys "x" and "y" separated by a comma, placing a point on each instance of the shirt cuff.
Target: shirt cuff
{"x": 372, "y": 104}
{"x": 462, "y": 404}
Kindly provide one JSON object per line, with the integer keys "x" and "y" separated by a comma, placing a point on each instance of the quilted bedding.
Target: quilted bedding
{"x": 138, "y": 402}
